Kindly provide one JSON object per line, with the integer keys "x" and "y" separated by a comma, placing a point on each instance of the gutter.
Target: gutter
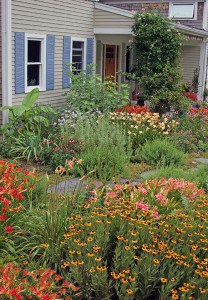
{"x": 190, "y": 30}
{"x": 6, "y": 56}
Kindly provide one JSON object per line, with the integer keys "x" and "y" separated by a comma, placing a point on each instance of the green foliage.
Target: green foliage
{"x": 27, "y": 117}
{"x": 191, "y": 133}
{"x": 106, "y": 147}
{"x": 25, "y": 146}
{"x": 199, "y": 176}
{"x": 157, "y": 44}
{"x": 88, "y": 93}
{"x": 56, "y": 151}
{"x": 168, "y": 172}
{"x": 161, "y": 153}
{"x": 164, "y": 99}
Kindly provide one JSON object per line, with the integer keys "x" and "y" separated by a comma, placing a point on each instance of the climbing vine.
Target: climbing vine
{"x": 157, "y": 46}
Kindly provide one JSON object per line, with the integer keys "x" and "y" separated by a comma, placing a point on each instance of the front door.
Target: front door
{"x": 110, "y": 62}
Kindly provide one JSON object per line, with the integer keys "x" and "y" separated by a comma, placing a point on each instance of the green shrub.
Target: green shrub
{"x": 161, "y": 153}
{"x": 106, "y": 147}
{"x": 88, "y": 93}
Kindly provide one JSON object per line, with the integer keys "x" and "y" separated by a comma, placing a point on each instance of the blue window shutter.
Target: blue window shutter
{"x": 19, "y": 62}
{"x": 66, "y": 61}
{"x": 50, "y": 60}
{"x": 90, "y": 47}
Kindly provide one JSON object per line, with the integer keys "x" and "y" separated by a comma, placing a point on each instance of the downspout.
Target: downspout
{"x": 6, "y": 56}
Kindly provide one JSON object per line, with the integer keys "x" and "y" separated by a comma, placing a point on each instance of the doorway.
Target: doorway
{"x": 110, "y": 62}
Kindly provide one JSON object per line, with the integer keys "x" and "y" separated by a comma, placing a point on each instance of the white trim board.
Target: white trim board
{"x": 99, "y": 30}
{"x": 6, "y": 56}
{"x": 42, "y": 38}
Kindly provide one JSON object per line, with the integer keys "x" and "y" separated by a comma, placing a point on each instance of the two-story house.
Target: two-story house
{"x": 39, "y": 38}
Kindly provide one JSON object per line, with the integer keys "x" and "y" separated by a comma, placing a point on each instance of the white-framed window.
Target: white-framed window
{"x": 35, "y": 62}
{"x": 183, "y": 11}
{"x": 78, "y": 54}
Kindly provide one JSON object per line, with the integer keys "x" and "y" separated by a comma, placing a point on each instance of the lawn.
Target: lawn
{"x": 131, "y": 240}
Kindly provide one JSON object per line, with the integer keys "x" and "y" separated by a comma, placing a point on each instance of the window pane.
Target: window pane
{"x": 33, "y": 75}
{"x": 34, "y": 51}
{"x": 185, "y": 11}
{"x": 77, "y": 45}
{"x": 78, "y": 56}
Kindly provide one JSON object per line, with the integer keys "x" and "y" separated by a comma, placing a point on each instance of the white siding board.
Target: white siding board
{"x": 190, "y": 59}
{"x": 65, "y": 17}
{"x": 107, "y": 19}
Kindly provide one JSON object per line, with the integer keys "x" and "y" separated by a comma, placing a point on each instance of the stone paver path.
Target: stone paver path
{"x": 70, "y": 185}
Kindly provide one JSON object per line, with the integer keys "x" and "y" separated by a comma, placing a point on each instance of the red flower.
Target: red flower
{"x": 46, "y": 297}
{"x": 9, "y": 229}
{"x": 192, "y": 96}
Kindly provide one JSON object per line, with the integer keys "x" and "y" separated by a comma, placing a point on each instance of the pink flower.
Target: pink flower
{"x": 142, "y": 190}
{"x": 155, "y": 213}
{"x": 162, "y": 199}
{"x": 111, "y": 195}
{"x": 142, "y": 206}
{"x": 118, "y": 187}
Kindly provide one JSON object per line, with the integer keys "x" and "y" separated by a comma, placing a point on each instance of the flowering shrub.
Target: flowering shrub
{"x": 143, "y": 126}
{"x": 133, "y": 109}
{"x": 191, "y": 133}
{"x": 69, "y": 116}
{"x": 14, "y": 184}
{"x": 16, "y": 283}
{"x": 57, "y": 151}
{"x": 147, "y": 241}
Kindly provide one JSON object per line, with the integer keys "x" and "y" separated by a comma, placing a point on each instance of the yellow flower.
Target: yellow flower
{"x": 92, "y": 270}
{"x": 90, "y": 254}
{"x": 123, "y": 280}
{"x": 132, "y": 279}
{"x": 129, "y": 292}
{"x": 156, "y": 261}
{"x": 98, "y": 258}
{"x": 163, "y": 280}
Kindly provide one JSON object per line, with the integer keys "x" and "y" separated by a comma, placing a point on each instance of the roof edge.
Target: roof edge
{"x": 114, "y": 10}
